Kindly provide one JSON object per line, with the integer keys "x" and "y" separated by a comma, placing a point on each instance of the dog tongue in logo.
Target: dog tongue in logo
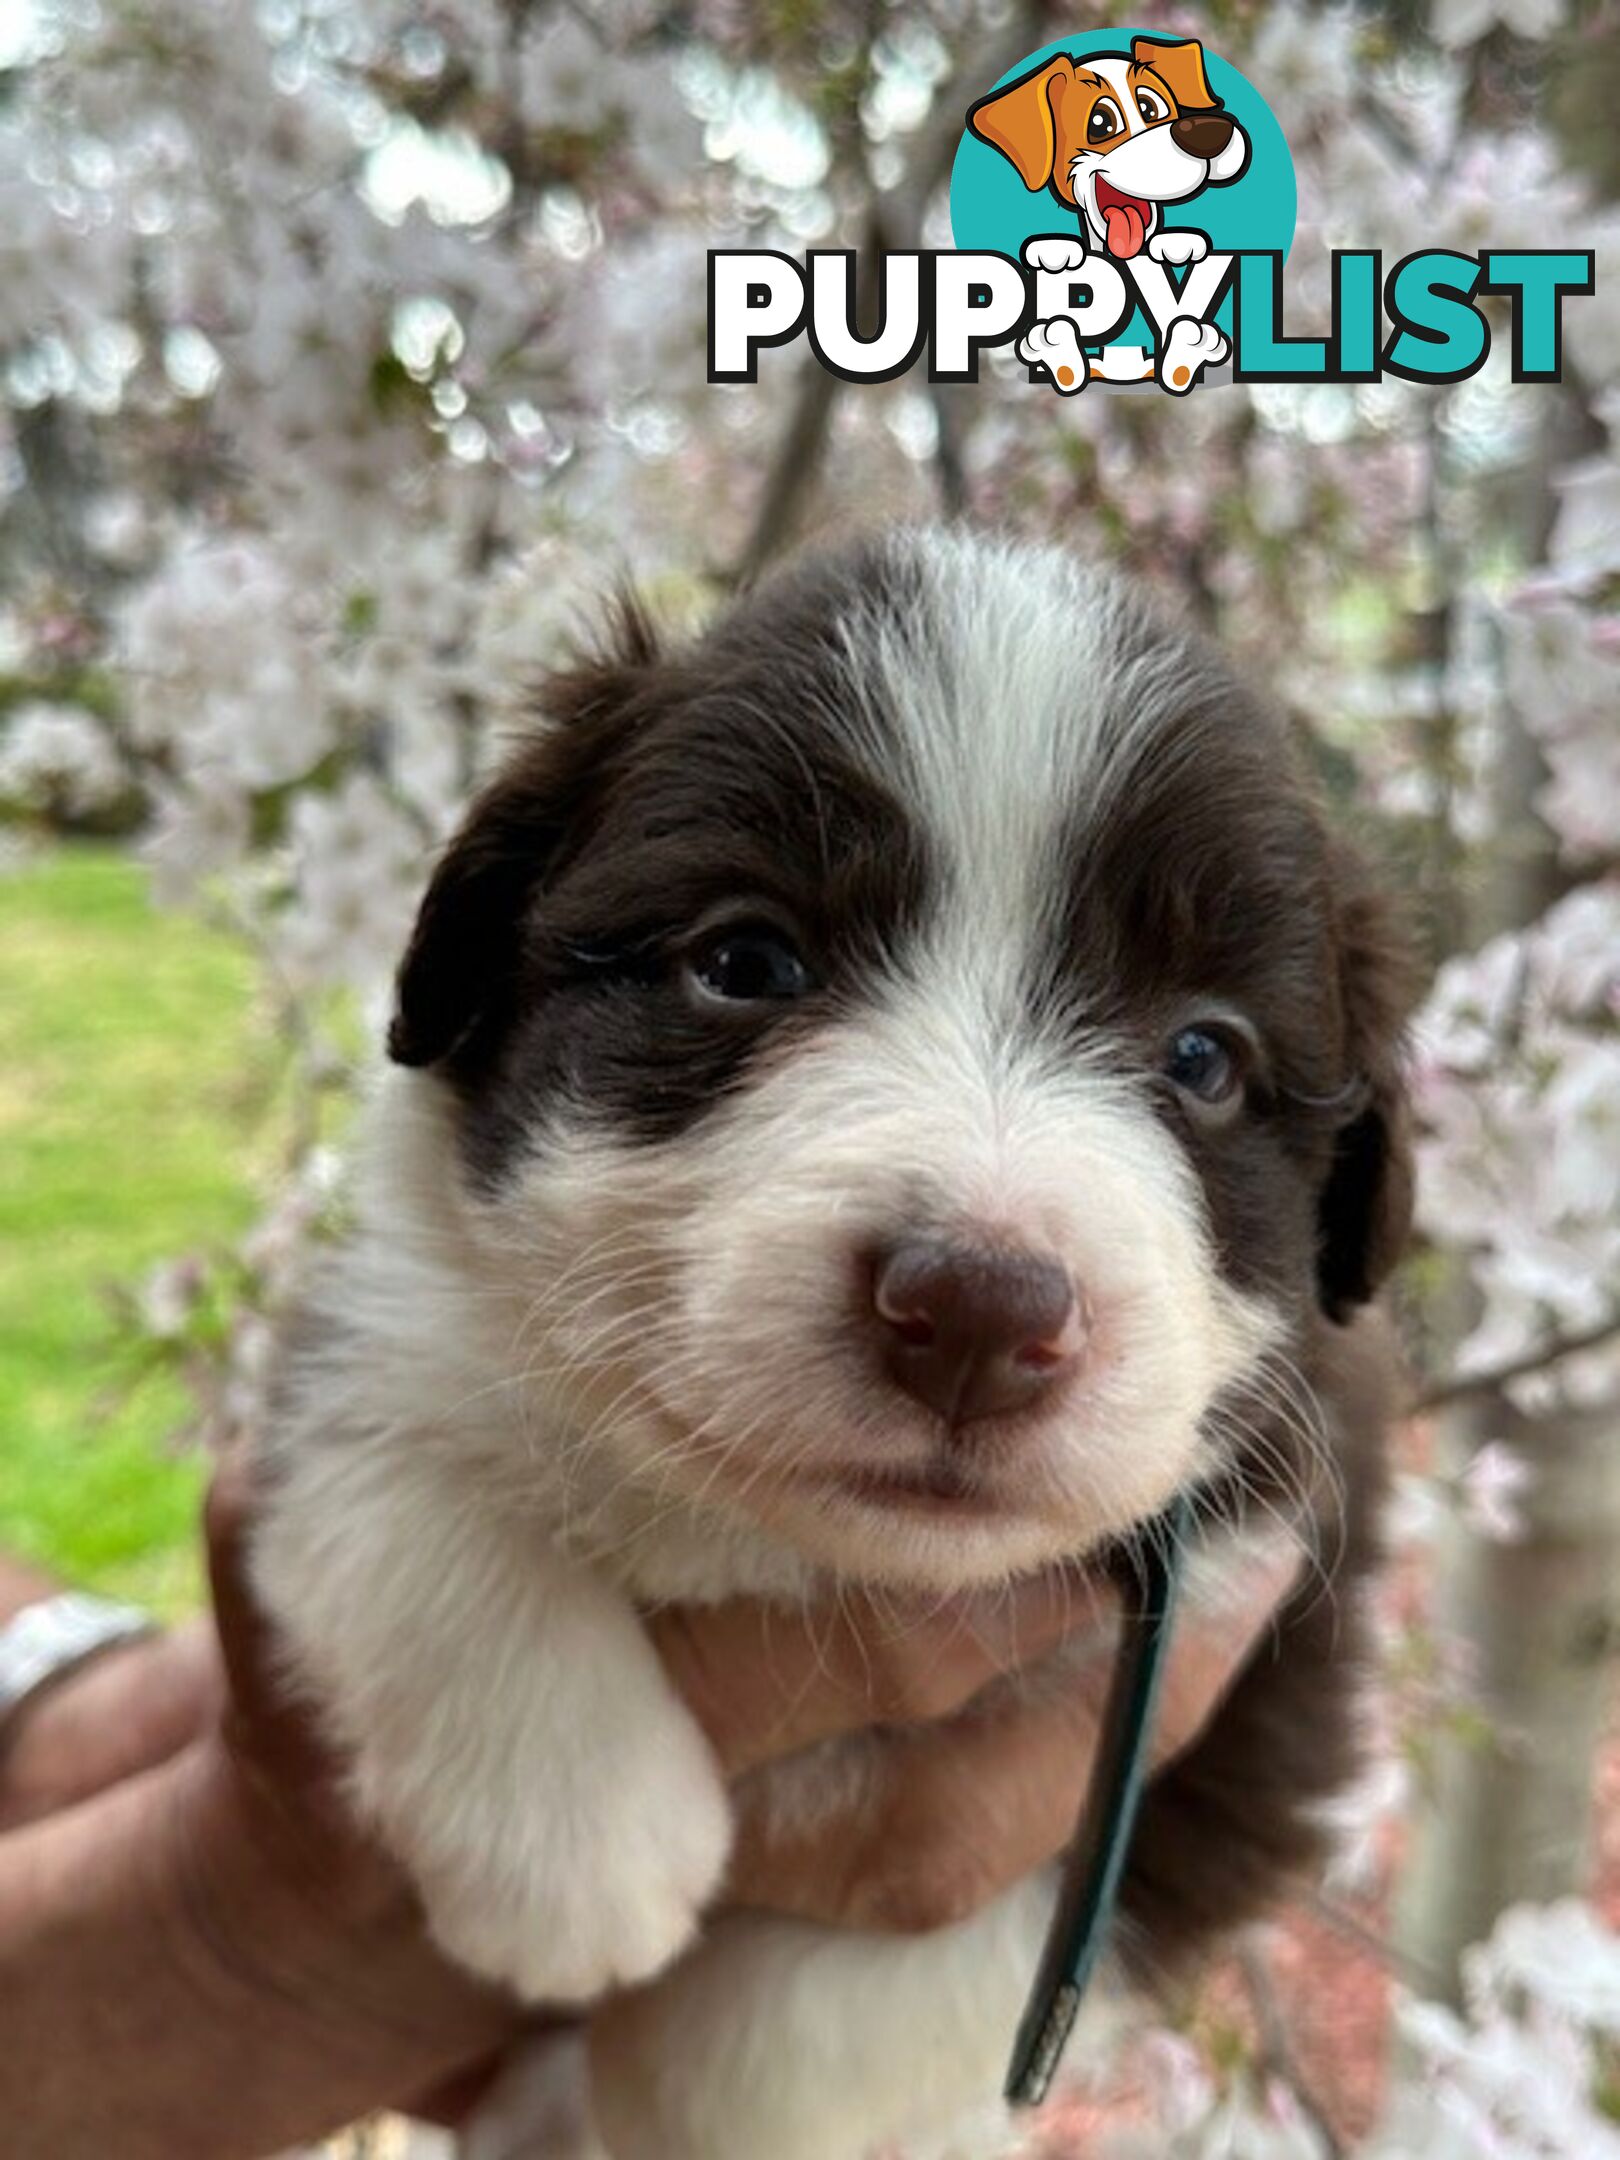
{"x": 1125, "y": 218}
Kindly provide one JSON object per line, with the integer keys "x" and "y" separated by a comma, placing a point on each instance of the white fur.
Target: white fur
{"x": 619, "y": 1379}
{"x": 538, "y": 2106}
{"x": 1053, "y": 253}
{"x": 1145, "y": 161}
{"x": 673, "y": 2072}
{"x": 1180, "y": 244}
{"x": 889, "y": 2034}
{"x": 1053, "y": 345}
{"x": 456, "y": 1652}
{"x": 1189, "y": 346}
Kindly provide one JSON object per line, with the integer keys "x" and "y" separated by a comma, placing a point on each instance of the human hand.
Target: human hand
{"x": 247, "y": 1970}
{"x": 970, "y": 1783}
{"x": 982, "y": 1784}
{"x": 297, "y": 1896}
{"x": 128, "y": 1708}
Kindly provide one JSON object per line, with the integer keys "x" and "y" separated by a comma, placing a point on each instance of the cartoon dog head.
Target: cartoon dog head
{"x": 1116, "y": 135}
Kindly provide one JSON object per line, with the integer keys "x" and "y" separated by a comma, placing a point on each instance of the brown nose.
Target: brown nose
{"x": 1201, "y": 135}
{"x": 970, "y": 1331}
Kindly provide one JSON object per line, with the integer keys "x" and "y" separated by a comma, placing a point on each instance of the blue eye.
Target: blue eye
{"x": 752, "y": 964}
{"x": 1203, "y": 1065}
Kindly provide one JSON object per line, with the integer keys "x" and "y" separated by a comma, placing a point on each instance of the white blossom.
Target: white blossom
{"x": 1463, "y": 22}
{"x": 1517, "y": 2074}
{"x": 1300, "y": 62}
{"x": 1492, "y": 1485}
{"x": 167, "y": 1297}
{"x": 196, "y": 832}
{"x": 58, "y": 758}
{"x": 1585, "y": 543}
{"x": 1593, "y": 323}
{"x": 1279, "y": 485}
{"x": 357, "y": 867}
{"x": 1518, "y": 1087}
{"x": 222, "y": 652}
{"x": 1560, "y": 1957}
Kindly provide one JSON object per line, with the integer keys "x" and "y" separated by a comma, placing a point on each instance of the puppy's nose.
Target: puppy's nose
{"x": 1201, "y": 135}
{"x": 970, "y": 1331}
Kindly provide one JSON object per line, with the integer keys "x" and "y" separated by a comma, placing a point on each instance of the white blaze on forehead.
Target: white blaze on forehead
{"x": 1115, "y": 70}
{"x": 1002, "y": 698}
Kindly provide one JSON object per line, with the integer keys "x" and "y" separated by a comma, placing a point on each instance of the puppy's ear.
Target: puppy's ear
{"x": 1179, "y": 64}
{"x": 1366, "y": 1206}
{"x": 1021, "y": 121}
{"x": 1365, "y": 1211}
{"x": 456, "y": 984}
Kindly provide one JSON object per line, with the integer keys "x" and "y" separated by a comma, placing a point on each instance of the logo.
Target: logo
{"x": 1161, "y": 158}
{"x": 1123, "y": 205}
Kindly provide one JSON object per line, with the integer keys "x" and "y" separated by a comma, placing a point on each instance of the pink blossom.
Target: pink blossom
{"x": 1492, "y": 1487}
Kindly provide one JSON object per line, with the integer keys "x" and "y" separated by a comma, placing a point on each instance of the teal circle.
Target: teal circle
{"x": 992, "y": 208}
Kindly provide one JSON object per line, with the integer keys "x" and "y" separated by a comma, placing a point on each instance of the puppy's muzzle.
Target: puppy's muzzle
{"x": 970, "y": 1331}
{"x": 1201, "y": 134}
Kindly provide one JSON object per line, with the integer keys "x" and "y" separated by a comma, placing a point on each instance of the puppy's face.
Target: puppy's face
{"x": 915, "y": 1051}
{"x": 1117, "y": 136}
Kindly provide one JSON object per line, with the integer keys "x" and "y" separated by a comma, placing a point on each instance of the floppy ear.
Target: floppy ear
{"x": 1180, "y": 65}
{"x": 1021, "y": 120}
{"x": 458, "y": 981}
{"x": 1365, "y": 1210}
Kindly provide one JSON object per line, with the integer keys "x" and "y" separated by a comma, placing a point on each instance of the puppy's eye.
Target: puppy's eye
{"x": 1204, "y": 1064}
{"x": 1151, "y": 106}
{"x": 750, "y": 964}
{"x": 1106, "y": 121}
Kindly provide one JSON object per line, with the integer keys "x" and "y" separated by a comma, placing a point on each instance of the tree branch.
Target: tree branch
{"x": 1277, "y": 2058}
{"x": 1463, "y": 1387}
{"x": 893, "y": 222}
{"x": 1422, "y": 1977}
{"x": 794, "y": 471}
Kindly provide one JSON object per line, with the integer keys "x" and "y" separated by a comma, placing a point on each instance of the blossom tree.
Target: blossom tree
{"x": 348, "y": 347}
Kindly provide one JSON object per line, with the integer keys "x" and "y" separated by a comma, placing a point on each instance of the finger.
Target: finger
{"x": 243, "y": 1633}
{"x": 144, "y": 1703}
{"x": 265, "y": 1724}
{"x": 947, "y": 1817}
{"x": 283, "y": 1767}
{"x": 133, "y": 1707}
{"x": 951, "y": 1816}
{"x": 1214, "y": 1642}
{"x": 450, "y": 2101}
{"x": 765, "y": 1683}
{"x": 527, "y": 2062}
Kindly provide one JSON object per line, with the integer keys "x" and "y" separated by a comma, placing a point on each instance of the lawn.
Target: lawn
{"x": 128, "y": 1049}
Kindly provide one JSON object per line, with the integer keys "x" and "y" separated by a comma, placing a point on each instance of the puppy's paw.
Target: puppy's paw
{"x": 1054, "y": 347}
{"x": 1178, "y": 245}
{"x": 565, "y": 1848}
{"x": 567, "y": 1915}
{"x": 1189, "y": 348}
{"x": 1055, "y": 252}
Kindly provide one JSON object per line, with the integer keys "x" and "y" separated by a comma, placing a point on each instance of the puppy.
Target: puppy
{"x": 1113, "y": 139}
{"x": 891, "y": 1093}
{"x": 1118, "y": 136}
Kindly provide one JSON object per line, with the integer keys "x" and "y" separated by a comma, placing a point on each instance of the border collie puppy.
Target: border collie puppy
{"x": 893, "y": 1091}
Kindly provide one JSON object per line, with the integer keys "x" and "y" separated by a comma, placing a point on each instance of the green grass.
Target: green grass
{"x": 128, "y": 1046}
